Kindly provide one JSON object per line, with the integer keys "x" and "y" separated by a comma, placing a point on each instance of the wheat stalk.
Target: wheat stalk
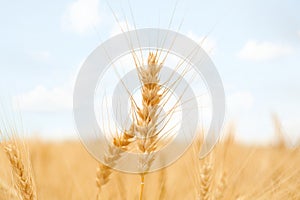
{"x": 22, "y": 177}
{"x": 162, "y": 187}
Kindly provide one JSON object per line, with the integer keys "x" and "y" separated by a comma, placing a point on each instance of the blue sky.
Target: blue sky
{"x": 255, "y": 45}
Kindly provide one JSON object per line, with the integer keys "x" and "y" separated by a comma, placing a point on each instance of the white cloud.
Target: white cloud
{"x": 81, "y": 16}
{"x": 206, "y": 42}
{"x": 258, "y": 51}
{"x": 41, "y": 99}
{"x": 298, "y": 33}
{"x": 40, "y": 55}
{"x": 239, "y": 102}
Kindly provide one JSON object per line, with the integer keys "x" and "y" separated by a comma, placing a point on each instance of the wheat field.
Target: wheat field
{"x": 65, "y": 170}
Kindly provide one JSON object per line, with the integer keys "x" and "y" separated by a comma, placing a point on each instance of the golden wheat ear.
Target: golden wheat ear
{"x": 103, "y": 173}
{"x": 206, "y": 179}
{"x": 22, "y": 175}
{"x": 111, "y": 157}
{"x": 147, "y": 121}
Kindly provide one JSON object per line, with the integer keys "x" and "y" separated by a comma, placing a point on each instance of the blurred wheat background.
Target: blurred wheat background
{"x": 65, "y": 170}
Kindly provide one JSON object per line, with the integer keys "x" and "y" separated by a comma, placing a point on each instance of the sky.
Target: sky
{"x": 255, "y": 45}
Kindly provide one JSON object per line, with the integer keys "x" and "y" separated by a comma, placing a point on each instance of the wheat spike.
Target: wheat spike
{"x": 206, "y": 179}
{"x": 221, "y": 186}
{"x": 125, "y": 139}
{"x": 146, "y": 125}
{"x": 22, "y": 178}
{"x": 147, "y": 122}
{"x": 104, "y": 170}
{"x": 103, "y": 173}
{"x": 114, "y": 152}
